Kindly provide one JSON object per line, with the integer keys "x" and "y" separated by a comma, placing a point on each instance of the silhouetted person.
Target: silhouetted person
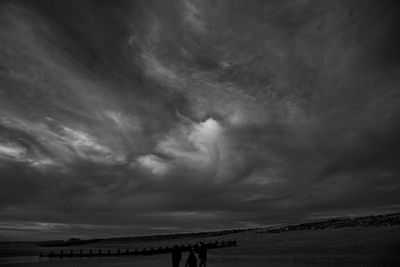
{"x": 202, "y": 255}
{"x": 176, "y": 256}
{"x": 191, "y": 260}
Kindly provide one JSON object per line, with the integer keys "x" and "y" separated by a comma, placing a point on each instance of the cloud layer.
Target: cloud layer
{"x": 134, "y": 117}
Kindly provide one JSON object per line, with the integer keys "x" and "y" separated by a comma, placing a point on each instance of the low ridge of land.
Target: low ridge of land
{"x": 365, "y": 221}
{"x": 372, "y": 220}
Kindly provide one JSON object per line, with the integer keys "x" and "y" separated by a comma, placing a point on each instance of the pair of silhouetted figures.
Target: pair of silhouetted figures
{"x": 192, "y": 259}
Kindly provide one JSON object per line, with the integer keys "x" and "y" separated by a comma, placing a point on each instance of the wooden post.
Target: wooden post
{"x": 80, "y": 255}
{"x": 109, "y": 252}
{"x": 72, "y": 252}
{"x": 90, "y": 253}
{"x": 61, "y": 254}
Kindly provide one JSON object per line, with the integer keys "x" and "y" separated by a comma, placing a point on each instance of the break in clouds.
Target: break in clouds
{"x": 137, "y": 117}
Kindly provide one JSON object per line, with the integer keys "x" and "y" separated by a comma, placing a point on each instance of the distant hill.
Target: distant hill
{"x": 146, "y": 238}
{"x": 366, "y": 221}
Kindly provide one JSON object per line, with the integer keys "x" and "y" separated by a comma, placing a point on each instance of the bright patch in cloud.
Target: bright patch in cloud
{"x": 195, "y": 145}
{"x": 12, "y": 150}
{"x": 87, "y": 146}
{"x": 153, "y": 163}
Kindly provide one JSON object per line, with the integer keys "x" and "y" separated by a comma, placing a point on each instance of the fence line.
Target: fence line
{"x": 130, "y": 252}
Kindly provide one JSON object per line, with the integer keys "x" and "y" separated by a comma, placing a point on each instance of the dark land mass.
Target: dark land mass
{"x": 377, "y": 220}
{"x": 365, "y": 221}
{"x": 146, "y": 238}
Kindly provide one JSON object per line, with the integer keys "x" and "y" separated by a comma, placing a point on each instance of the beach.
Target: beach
{"x": 348, "y": 246}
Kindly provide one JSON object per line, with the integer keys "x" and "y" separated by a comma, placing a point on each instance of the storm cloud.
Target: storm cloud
{"x": 137, "y": 117}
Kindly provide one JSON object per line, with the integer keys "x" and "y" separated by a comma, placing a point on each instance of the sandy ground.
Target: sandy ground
{"x": 356, "y": 246}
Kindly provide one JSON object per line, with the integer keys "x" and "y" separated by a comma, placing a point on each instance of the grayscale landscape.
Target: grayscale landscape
{"x": 207, "y": 132}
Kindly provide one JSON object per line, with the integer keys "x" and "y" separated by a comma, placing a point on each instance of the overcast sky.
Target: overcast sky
{"x": 138, "y": 117}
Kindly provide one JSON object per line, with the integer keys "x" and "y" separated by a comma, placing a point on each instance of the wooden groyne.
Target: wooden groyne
{"x": 91, "y": 253}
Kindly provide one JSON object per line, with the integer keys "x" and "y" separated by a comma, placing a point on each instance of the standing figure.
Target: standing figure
{"x": 202, "y": 255}
{"x": 191, "y": 260}
{"x": 176, "y": 256}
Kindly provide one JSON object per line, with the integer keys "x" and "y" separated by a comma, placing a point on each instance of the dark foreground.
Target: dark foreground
{"x": 367, "y": 245}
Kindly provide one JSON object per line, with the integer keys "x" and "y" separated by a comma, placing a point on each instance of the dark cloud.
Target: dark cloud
{"x": 134, "y": 117}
